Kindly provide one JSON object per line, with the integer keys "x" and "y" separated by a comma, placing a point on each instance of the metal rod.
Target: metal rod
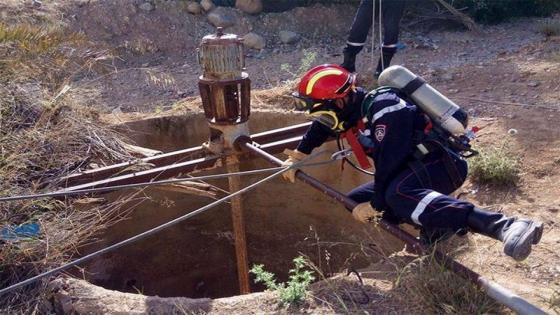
{"x": 232, "y": 165}
{"x": 177, "y": 168}
{"x": 120, "y": 168}
{"x": 152, "y": 174}
{"x": 169, "y": 158}
{"x": 495, "y": 291}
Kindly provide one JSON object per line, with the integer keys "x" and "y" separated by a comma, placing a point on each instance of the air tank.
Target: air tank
{"x": 441, "y": 110}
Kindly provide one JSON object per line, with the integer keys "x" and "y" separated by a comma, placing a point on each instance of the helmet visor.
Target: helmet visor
{"x": 304, "y": 102}
{"x": 322, "y": 111}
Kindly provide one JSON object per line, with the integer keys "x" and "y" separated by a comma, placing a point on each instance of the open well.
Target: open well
{"x": 196, "y": 258}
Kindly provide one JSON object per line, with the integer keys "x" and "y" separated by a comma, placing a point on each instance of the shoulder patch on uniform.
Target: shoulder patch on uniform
{"x": 379, "y": 132}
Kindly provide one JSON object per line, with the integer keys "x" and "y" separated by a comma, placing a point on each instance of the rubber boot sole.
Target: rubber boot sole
{"x": 521, "y": 247}
{"x": 538, "y": 233}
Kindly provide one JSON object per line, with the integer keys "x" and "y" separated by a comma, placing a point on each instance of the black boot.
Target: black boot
{"x": 385, "y": 61}
{"x": 349, "y": 62}
{"x": 517, "y": 234}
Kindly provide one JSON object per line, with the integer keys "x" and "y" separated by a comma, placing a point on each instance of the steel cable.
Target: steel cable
{"x": 142, "y": 235}
{"x": 146, "y": 184}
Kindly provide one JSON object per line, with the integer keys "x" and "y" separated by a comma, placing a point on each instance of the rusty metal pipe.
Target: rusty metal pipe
{"x": 176, "y": 169}
{"x": 494, "y": 290}
{"x": 238, "y": 221}
{"x": 175, "y": 157}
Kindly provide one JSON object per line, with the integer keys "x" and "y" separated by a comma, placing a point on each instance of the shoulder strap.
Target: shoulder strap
{"x": 370, "y": 98}
{"x": 368, "y": 101}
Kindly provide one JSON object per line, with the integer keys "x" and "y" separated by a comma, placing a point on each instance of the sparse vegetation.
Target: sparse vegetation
{"x": 436, "y": 290}
{"x": 43, "y": 137}
{"x": 550, "y": 28}
{"x": 281, "y": 94}
{"x": 554, "y": 301}
{"x": 292, "y": 292}
{"x": 307, "y": 61}
{"x": 495, "y": 166}
{"x": 492, "y": 12}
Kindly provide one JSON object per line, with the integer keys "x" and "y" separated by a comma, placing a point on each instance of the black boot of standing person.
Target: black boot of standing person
{"x": 392, "y": 11}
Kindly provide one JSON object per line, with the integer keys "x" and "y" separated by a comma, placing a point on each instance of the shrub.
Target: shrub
{"x": 492, "y": 11}
{"x": 45, "y": 136}
{"x": 292, "y": 292}
{"x": 495, "y": 166}
{"x": 307, "y": 61}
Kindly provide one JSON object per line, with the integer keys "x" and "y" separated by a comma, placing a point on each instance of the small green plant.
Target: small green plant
{"x": 292, "y": 292}
{"x": 308, "y": 59}
{"x": 496, "y": 166}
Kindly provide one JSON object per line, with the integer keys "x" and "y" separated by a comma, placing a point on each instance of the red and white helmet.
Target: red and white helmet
{"x": 326, "y": 82}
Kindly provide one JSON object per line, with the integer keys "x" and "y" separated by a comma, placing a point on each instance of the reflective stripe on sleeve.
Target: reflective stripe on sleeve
{"x": 421, "y": 206}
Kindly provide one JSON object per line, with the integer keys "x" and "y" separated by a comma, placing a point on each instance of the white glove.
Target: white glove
{"x": 293, "y": 157}
{"x": 364, "y": 212}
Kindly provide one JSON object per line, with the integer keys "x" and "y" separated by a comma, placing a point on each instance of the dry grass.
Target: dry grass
{"x": 427, "y": 285}
{"x": 554, "y": 302}
{"x": 277, "y": 98}
{"x": 400, "y": 282}
{"x": 42, "y": 138}
{"x": 550, "y": 27}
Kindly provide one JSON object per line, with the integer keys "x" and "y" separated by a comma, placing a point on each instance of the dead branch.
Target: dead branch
{"x": 465, "y": 19}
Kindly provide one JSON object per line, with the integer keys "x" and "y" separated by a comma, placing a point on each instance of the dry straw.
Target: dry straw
{"x": 43, "y": 137}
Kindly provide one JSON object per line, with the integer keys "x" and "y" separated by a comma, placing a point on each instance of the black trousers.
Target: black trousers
{"x": 392, "y": 11}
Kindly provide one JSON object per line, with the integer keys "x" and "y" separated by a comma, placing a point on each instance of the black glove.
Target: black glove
{"x": 349, "y": 62}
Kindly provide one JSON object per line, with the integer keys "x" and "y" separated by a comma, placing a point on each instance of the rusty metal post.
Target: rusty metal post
{"x": 232, "y": 164}
{"x": 225, "y": 92}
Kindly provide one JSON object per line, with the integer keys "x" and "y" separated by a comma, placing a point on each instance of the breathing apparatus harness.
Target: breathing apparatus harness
{"x": 459, "y": 145}
{"x": 432, "y": 138}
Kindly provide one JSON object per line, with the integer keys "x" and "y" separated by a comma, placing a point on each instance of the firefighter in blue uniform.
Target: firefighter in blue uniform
{"x": 407, "y": 187}
{"x": 391, "y": 14}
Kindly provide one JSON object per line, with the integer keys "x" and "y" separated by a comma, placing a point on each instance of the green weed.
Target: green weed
{"x": 307, "y": 60}
{"x": 292, "y": 292}
{"x": 495, "y": 166}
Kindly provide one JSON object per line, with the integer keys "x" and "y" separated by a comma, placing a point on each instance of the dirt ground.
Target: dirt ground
{"x": 507, "y": 77}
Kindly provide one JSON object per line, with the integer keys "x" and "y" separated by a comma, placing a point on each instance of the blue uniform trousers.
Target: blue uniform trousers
{"x": 425, "y": 201}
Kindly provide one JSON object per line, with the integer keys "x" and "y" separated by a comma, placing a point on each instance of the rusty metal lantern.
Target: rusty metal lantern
{"x": 224, "y": 87}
